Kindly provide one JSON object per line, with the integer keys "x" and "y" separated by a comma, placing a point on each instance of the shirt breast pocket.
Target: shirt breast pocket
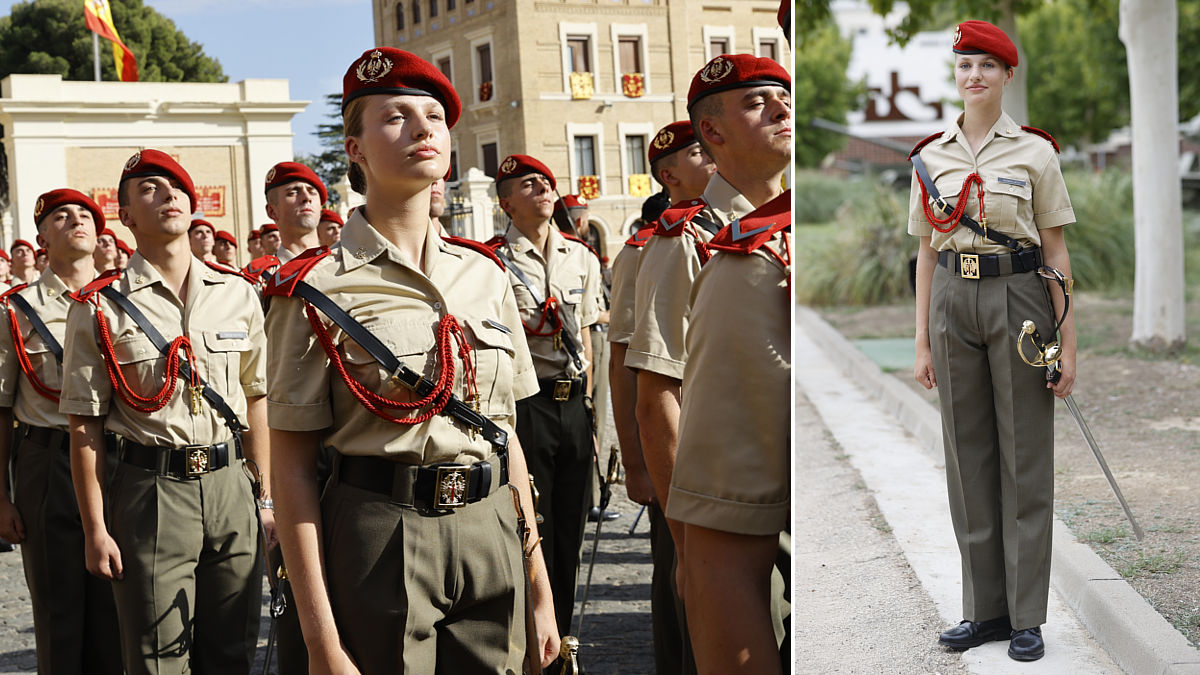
{"x": 411, "y": 342}
{"x": 494, "y": 354}
{"x": 140, "y": 363}
{"x": 42, "y": 360}
{"x": 224, "y": 350}
{"x": 1009, "y": 202}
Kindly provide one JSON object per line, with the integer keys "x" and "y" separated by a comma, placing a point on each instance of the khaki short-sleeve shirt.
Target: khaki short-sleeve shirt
{"x": 51, "y": 299}
{"x": 401, "y": 304}
{"x": 1023, "y": 187}
{"x": 624, "y": 277}
{"x": 222, "y": 319}
{"x": 571, "y": 274}
{"x": 670, "y": 265}
{"x": 732, "y": 468}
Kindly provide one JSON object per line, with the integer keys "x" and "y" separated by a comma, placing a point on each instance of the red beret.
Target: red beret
{"x": 734, "y": 71}
{"x": 981, "y": 37}
{"x": 387, "y": 70}
{"x": 4, "y": 254}
{"x": 151, "y": 162}
{"x": 254, "y": 234}
{"x": 108, "y": 232}
{"x": 268, "y": 228}
{"x": 287, "y": 172}
{"x": 201, "y": 223}
{"x": 675, "y": 136}
{"x": 48, "y": 202}
{"x": 122, "y": 246}
{"x": 515, "y": 166}
{"x": 226, "y": 237}
{"x": 21, "y": 242}
{"x": 332, "y": 216}
{"x": 39, "y": 253}
{"x": 571, "y": 202}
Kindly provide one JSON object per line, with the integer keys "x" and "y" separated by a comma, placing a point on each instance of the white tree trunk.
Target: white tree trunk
{"x": 1149, "y": 31}
{"x": 1015, "y": 101}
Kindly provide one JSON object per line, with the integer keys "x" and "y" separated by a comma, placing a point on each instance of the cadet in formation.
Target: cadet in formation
{"x": 978, "y": 279}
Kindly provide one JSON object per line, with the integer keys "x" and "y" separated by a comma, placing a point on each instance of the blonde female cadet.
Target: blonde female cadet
{"x": 981, "y": 272}
{"x": 404, "y": 353}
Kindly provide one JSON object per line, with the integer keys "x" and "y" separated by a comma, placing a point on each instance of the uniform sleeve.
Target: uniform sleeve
{"x": 1051, "y": 203}
{"x": 86, "y": 389}
{"x": 9, "y": 369}
{"x": 525, "y": 382}
{"x": 918, "y": 224}
{"x": 592, "y": 298}
{"x": 732, "y": 468}
{"x": 624, "y": 273}
{"x": 662, "y": 308}
{"x": 254, "y": 361}
{"x": 297, "y": 370}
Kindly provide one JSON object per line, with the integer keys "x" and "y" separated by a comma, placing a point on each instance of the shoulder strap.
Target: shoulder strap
{"x": 567, "y": 340}
{"x": 84, "y": 294}
{"x": 454, "y": 407}
{"x": 670, "y": 223}
{"x": 916, "y": 151}
{"x": 969, "y": 222}
{"x": 477, "y": 246}
{"x": 748, "y": 233}
{"x": 38, "y": 325}
{"x": 185, "y": 370}
{"x": 283, "y": 282}
{"x": 232, "y": 271}
{"x": 1044, "y": 134}
{"x": 638, "y": 239}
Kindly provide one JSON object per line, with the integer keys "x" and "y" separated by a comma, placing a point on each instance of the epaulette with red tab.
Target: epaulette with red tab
{"x": 84, "y": 294}
{"x": 748, "y": 233}
{"x": 260, "y": 266}
{"x": 495, "y": 242}
{"x": 568, "y": 235}
{"x": 283, "y": 282}
{"x": 229, "y": 270}
{"x": 669, "y": 224}
{"x": 1046, "y": 135}
{"x": 14, "y": 289}
{"x": 477, "y": 246}
{"x": 925, "y": 141}
{"x": 638, "y": 239}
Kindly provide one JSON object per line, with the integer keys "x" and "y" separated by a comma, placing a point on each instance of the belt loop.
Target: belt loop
{"x": 404, "y": 483}
{"x": 335, "y": 467}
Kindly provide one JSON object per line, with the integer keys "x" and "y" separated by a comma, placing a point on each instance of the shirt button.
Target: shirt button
{"x": 437, "y": 305}
{"x": 50, "y": 292}
{"x": 141, "y": 280}
{"x": 1012, "y": 189}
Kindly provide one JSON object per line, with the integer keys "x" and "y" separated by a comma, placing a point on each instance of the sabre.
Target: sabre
{"x": 605, "y": 493}
{"x": 1047, "y": 357}
{"x": 275, "y": 579}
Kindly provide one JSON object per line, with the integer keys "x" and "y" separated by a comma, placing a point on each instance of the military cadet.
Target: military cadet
{"x": 740, "y": 109}
{"x": 225, "y": 248}
{"x": 105, "y": 256}
{"x": 254, "y": 244}
{"x": 176, "y": 528}
{"x": 269, "y": 239}
{"x": 23, "y": 270}
{"x": 41, "y": 260}
{"x": 74, "y": 618}
{"x": 202, "y": 239}
{"x": 329, "y": 231}
{"x": 294, "y": 197}
{"x": 5, "y": 267}
{"x": 557, "y": 284}
{"x": 123, "y": 255}
{"x": 681, "y": 166}
{"x": 976, "y": 285}
{"x": 410, "y": 561}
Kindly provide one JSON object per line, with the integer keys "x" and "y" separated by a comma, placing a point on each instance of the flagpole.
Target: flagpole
{"x": 96, "y": 55}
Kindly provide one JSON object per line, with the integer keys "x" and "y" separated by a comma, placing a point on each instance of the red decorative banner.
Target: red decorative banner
{"x": 633, "y": 85}
{"x": 211, "y": 200}
{"x": 106, "y": 199}
{"x": 589, "y": 187}
{"x": 485, "y": 91}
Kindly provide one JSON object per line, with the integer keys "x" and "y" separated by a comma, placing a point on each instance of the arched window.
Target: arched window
{"x": 399, "y": 16}
{"x": 416, "y": 12}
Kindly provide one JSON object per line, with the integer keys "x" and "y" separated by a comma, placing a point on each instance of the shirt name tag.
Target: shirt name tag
{"x": 576, "y": 291}
{"x": 232, "y": 335}
{"x": 497, "y": 325}
{"x": 1012, "y": 181}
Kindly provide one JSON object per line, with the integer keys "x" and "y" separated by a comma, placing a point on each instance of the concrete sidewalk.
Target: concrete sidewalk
{"x": 892, "y": 437}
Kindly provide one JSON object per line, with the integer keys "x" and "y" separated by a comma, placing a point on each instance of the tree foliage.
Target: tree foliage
{"x": 331, "y": 163}
{"x": 51, "y": 37}
{"x": 1189, "y": 66}
{"x": 822, "y": 91}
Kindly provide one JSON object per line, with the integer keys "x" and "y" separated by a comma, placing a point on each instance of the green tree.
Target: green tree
{"x": 50, "y": 36}
{"x": 1189, "y": 66}
{"x": 822, "y": 92}
{"x": 331, "y": 163}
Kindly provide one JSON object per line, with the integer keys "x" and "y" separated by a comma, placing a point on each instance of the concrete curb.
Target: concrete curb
{"x": 1136, "y": 636}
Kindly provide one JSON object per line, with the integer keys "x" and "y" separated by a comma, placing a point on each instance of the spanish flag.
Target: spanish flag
{"x": 98, "y": 14}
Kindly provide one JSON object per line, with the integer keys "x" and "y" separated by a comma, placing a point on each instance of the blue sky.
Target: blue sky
{"x": 308, "y": 42}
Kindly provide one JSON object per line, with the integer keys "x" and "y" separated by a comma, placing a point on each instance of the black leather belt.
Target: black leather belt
{"x": 439, "y": 487}
{"x": 187, "y": 462}
{"x": 46, "y": 437}
{"x": 599, "y": 327}
{"x": 975, "y": 266}
{"x": 561, "y": 390}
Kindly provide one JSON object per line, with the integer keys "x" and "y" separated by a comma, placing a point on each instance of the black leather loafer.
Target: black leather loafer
{"x": 1027, "y": 645}
{"x": 974, "y": 633}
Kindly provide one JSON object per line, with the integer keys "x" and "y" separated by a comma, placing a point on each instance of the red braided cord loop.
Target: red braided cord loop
{"x": 131, "y": 398}
{"x": 786, "y": 258}
{"x": 549, "y": 313}
{"x": 702, "y": 250}
{"x": 449, "y": 332}
{"x": 959, "y": 208}
{"x": 23, "y": 360}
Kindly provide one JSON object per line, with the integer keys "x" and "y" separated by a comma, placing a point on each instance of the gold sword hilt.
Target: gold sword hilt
{"x": 569, "y": 653}
{"x": 1047, "y": 355}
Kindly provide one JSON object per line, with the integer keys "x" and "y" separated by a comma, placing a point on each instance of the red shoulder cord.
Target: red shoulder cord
{"x": 23, "y": 359}
{"x": 959, "y": 208}
{"x": 131, "y": 398}
{"x": 785, "y": 259}
{"x": 701, "y": 248}
{"x": 549, "y": 316}
{"x": 448, "y": 329}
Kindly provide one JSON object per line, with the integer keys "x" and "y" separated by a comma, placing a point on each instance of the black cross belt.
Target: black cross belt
{"x": 975, "y": 266}
{"x": 455, "y": 407}
{"x": 186, "y": 462}
{"x": 39, "y": 326}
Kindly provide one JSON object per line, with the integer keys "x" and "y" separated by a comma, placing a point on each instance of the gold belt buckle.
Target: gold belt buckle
{"x": 968, "y": 265}
{"x": 196, "y": 461}
{"x": 562, "y": 390}
{"x": 451, "y": 489}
